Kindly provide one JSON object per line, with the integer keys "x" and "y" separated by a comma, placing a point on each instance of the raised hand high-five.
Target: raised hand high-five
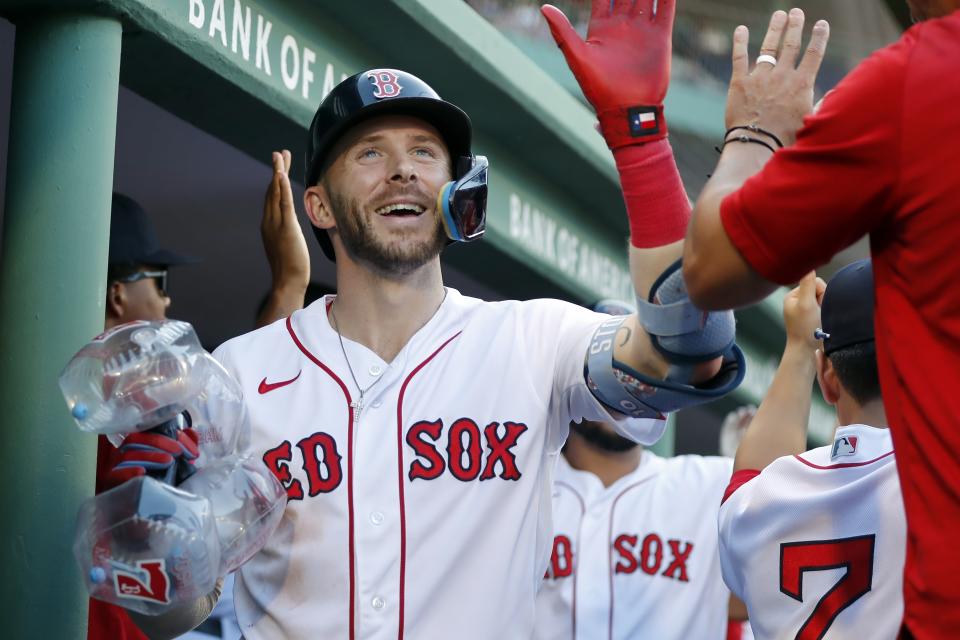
{"x": 623, "y": 67}
{"x": 778, "y": 92}
{"x": 284, "y": 244}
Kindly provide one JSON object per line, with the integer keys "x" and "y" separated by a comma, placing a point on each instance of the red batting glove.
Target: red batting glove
{"x": 623, "y": 67}
{"x": 144, "y": 452}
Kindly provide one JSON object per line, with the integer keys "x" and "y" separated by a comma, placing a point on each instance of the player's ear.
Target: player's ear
{"x": 116, "y": 300}
{"x": 316, "y": 202}
{"x": 827, "y": 378}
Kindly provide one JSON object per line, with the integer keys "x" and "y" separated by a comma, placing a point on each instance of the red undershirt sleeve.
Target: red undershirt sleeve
{"x": 737, "y": 480}
{"x": 734, "y": 630}
{"x": 834, "y": 185}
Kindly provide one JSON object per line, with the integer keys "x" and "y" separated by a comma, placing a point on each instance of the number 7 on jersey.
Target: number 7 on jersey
{"x": 855, "y": 554}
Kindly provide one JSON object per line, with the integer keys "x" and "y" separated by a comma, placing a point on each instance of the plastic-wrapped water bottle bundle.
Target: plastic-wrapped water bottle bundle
{"x": 164, "y": 537}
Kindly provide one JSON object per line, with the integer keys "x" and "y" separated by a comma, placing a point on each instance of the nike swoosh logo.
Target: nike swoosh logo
{"x": 267, "y": 387}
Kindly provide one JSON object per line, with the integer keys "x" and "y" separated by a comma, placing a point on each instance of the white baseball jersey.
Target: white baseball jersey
{"x": 425, "y": 513}
{"x": 815, "y": 543}
{"x": 637, "y": 559}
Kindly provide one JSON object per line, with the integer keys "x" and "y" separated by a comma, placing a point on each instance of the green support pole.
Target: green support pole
{"x": 52, "y": 288}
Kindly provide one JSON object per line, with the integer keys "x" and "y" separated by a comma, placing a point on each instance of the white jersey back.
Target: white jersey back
{"x": 637, "y": 559}
{"x": 815, "y": 543}
{"x": 425, "y": 513}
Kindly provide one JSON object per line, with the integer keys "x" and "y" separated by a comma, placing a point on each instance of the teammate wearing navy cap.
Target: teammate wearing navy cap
{"x": 138, "y": 267}
{"x": 814, "y": 541}
{"x": 137, "y": 289}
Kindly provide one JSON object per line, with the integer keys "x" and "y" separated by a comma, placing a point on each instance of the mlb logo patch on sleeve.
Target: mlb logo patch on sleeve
{"x": 844, "y": 446}
{"x": 643, "y": 121}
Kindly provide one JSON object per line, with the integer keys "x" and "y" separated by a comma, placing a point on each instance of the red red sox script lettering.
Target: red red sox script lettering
{"x": 466, "y": 452}
{"x": 632, "y": 554}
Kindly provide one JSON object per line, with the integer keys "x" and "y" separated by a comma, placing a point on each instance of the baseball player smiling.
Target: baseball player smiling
{"x": 416, "y": 429}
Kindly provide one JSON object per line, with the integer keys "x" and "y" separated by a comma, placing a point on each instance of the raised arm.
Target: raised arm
{"x": 780, "y": 426}
{"x": 668, "y": 348}
{"x": 284, "y": 245}
{"x": 765, "y": 109}
{"x": 623, "y": 68}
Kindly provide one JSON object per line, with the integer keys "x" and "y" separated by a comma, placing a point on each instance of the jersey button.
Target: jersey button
{"x": 376, "y": 404}
{"x": 376, "y": 518}
{"x": 377, "y": 603}
{"x": 375, "y": 370}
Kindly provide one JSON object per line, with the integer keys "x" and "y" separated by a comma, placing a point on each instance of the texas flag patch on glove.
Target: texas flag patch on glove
{"x": 644, "y": 121}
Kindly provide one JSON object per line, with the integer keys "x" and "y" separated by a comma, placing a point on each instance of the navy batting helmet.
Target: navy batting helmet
{"x": 382, "y": 92}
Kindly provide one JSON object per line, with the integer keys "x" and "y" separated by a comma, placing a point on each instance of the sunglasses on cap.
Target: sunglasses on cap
{"x": 159, "y": 276}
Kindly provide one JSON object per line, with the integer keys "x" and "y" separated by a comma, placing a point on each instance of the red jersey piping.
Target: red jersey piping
{"x": 403, "y": 515}
{"x": 346, "y": 393}
{"x": 842, "y": 465}
{"x": 613, "y": 508}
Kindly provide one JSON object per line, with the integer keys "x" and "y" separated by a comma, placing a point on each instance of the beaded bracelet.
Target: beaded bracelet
{"x": 747, "y": 139}
{"x": 755, "y": 129}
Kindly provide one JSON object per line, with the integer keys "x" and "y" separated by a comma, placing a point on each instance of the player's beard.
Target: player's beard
{"x": 399, "y": 258}
{"x": 603, "y": 438}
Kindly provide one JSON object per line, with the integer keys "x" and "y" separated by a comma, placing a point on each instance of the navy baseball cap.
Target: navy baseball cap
{"x": 846, "y": 315}
{"x": 133, "y": 240}
{"x": 378, "y": 92}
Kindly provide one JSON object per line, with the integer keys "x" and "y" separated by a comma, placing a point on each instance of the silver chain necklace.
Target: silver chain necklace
{"x": 356, "y": 405}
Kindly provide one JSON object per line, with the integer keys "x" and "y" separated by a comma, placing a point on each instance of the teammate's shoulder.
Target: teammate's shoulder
{"x": 879, "y": 77}
{"x": 853, "y": 446}
{"x": 936, "y": 34}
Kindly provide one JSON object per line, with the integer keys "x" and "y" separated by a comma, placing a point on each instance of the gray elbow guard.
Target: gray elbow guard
{"x": 685, "y": 336}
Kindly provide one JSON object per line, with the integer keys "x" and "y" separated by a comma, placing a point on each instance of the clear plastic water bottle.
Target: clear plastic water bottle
{"x": 142, "y": 374}
{"x": 146, "y": 546}
{"x": 154, "y": 542}
{"x": 247, "y": 502}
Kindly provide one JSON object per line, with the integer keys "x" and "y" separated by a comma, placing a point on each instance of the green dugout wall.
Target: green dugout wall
{"x": 251, "y": 73}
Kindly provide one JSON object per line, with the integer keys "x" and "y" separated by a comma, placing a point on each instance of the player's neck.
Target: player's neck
{"x": 383, "y": 313}
{"x": 608, "y": 466}
{"x": 871, "y": 413}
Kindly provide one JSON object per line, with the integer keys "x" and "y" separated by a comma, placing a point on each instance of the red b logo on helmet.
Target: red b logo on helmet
{"x": 386, "y": 82}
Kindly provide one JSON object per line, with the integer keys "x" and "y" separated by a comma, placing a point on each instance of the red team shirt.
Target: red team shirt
{"x": 882, "y": 157}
